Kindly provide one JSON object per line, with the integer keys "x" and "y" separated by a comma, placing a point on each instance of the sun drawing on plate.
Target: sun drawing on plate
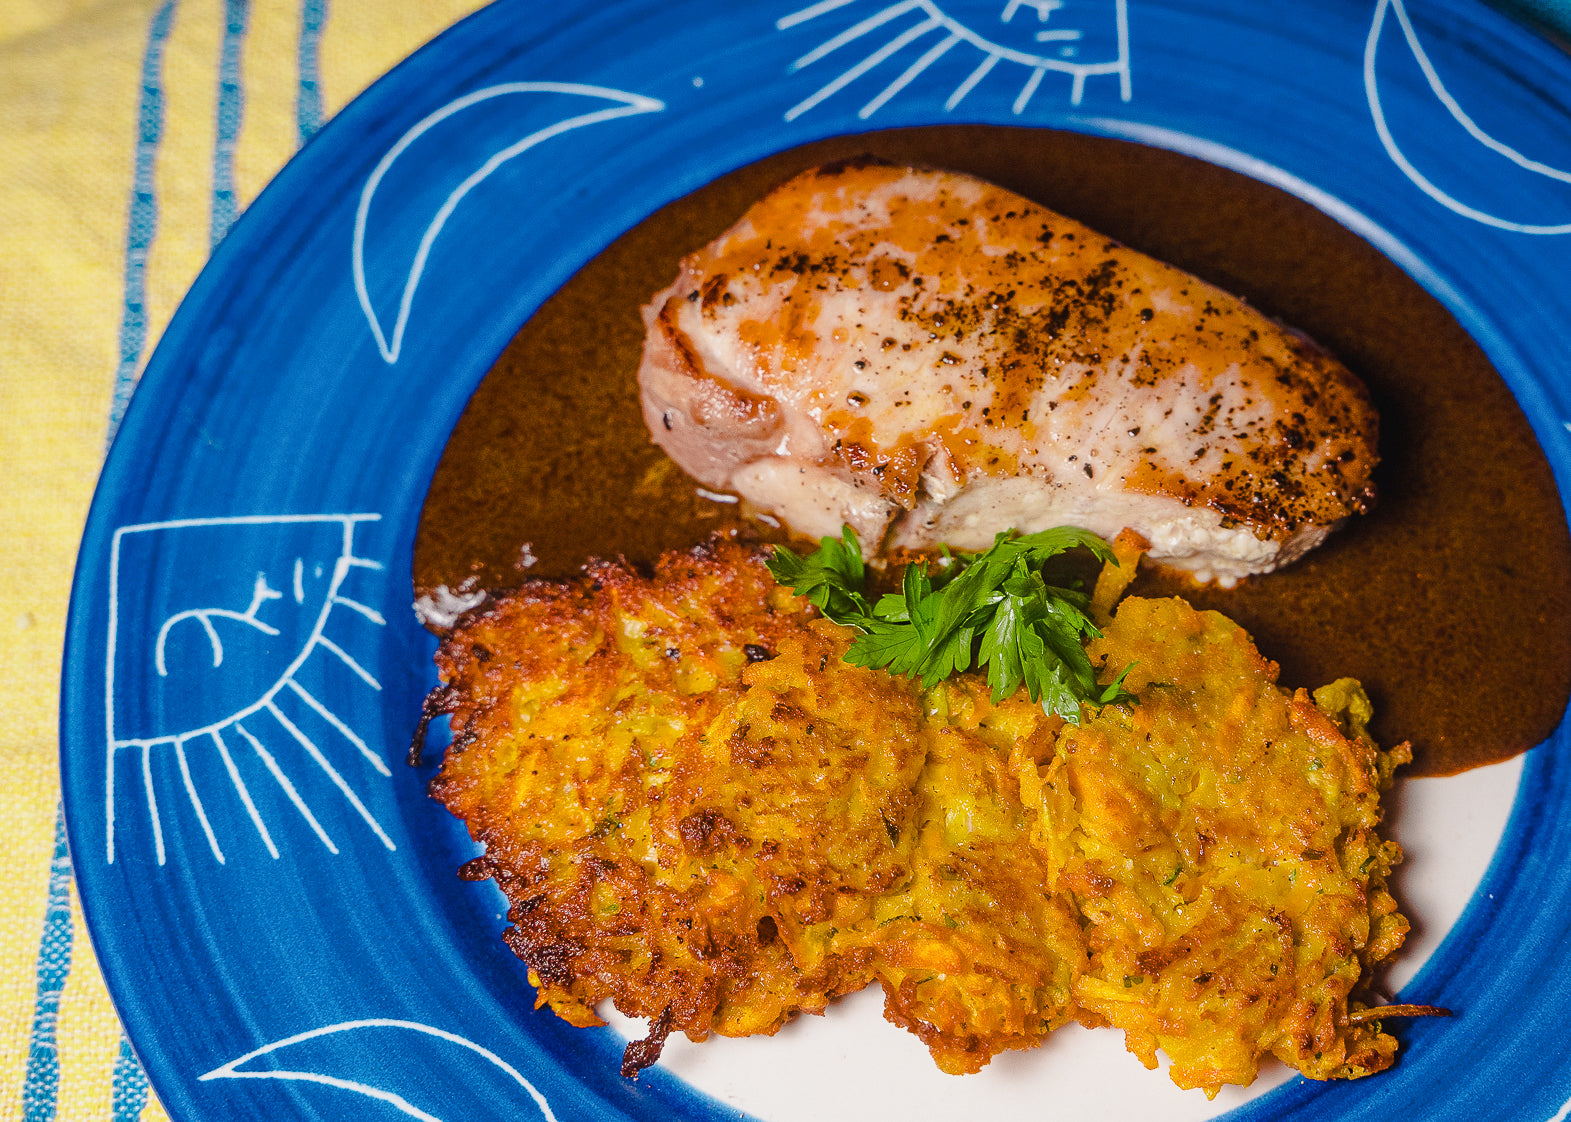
{"x": 230, "y": 676}
{"x": 1032, "y": 38}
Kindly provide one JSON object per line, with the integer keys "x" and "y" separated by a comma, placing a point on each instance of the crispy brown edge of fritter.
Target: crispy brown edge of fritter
{"x": 728, "y": 563}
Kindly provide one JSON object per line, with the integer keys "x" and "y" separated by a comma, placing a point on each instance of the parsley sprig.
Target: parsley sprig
{"x": 996, "y": 608}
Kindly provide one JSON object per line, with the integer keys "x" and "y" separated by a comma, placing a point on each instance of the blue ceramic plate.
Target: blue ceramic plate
{"x": 269, "y": 891}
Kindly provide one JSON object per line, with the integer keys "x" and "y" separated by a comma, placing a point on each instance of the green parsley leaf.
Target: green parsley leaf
{"x": 995, "y": 608}
{"x": 887, "y": 645}
{"x": 830, "y": 578}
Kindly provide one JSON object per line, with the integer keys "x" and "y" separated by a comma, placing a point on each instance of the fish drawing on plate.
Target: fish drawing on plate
{"x": 437, "y": 162}
{"x": 351, "y": 1058}
{"x": 230, "y": 674}
{"x": 882, "y": 48}
{"x": 1493, "y": 180}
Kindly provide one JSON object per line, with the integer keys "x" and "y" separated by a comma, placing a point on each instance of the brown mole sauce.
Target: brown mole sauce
{"x": 1449, "y": 602}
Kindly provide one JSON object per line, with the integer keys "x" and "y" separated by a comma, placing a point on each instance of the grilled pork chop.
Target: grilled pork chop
{"x": 933, "y": 359}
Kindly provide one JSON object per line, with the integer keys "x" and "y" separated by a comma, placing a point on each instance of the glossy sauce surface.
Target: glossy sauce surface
{"x": 1450, "y": 602}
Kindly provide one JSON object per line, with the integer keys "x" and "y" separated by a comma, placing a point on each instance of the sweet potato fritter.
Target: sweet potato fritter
{"x": 688, "y": 813}
{"x": 699, "y": 812}
{"x": 1219, "y": 841}
{"x": 978, "y": 955}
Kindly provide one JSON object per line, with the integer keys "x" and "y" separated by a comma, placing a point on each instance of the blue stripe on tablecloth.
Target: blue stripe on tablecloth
{"x": 130, "y": 1085}
{"x": 308, "y": 102}
{"x": 143, "y": 221}
{"x": 41, "y": 1088}
{"x": 231, "y": 106}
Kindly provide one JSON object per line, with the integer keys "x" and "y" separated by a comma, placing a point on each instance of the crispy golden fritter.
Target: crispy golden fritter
{"x": 698, "y": 811}
{"x": 685, "y": 810}
{"x": 1219, "y": 841}
{"x": 983, "y": 956}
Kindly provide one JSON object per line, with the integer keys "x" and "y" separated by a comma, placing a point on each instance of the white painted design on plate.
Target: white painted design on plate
{"x": 232, "y": 1070}
{"x": 260, "y": 594}
{"x": 1073, "y": 29}
{"x": 1437, "y": 87}
{"x": 259, "y": 717}
{"x": 626, "y": 105}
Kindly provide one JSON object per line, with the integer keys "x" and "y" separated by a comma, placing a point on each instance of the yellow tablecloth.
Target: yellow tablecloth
{"x": 131, "y": 134}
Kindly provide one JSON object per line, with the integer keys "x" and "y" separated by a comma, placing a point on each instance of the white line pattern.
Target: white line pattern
{"x": 265, "y": 704}
{"x": 196, "y": 801}
{"x": 935, "y": 19}
{"x": 1437, "y": 87}
{"x": 232, "y": 1069}
{"x": 627, "y": 105}
{"x": 245, "y": 795}
{"x": 911, "y": 72}
{"x": 287, "y": 787}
